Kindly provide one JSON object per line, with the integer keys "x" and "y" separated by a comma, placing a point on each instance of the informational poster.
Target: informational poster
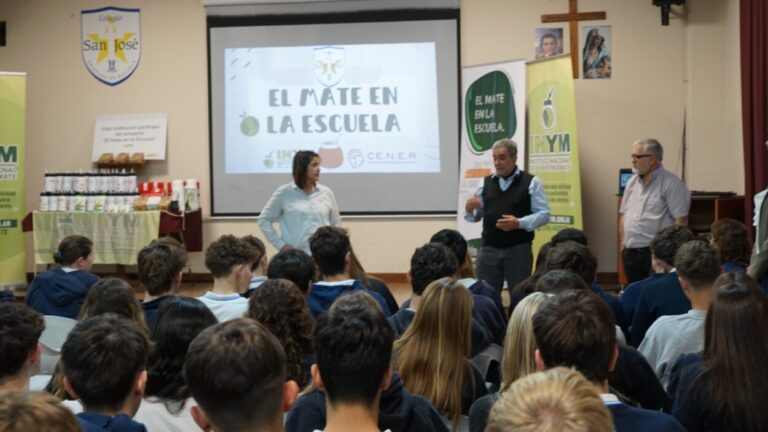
{"x": 131, "y": 133}
{"x": 553, "y": 147}
{"x": 12, "y": 115}
{"x": 493, "y": 108}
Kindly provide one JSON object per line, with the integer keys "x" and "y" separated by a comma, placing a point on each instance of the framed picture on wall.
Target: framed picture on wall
{"x": 596, "y": 52}
{"x": 548, "y": 41}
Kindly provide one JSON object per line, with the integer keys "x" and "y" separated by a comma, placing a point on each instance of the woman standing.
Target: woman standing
{"x": 301, "y": 207}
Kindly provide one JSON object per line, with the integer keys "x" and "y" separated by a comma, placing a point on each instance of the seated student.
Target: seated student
{"x": 663, "y": 296}
{"x": 354, "y": 347}
{"x": 61, "y": 290}
{"x": 576, "y": 329}
{"x": 160, "y": 268}
{"x": 104, "y": 361}
{"x": 236, "y": 372}
{"x": 229, "y": 260}
{"x": 296, "y": 266}
{"x": 279, "y": 305}
{"x": 259, "y": 267}
{"x": 399, "y": 410}
{"x": 723, "y": 388}
{"x": 731, "y": 240}
{"x": 167, "y": 400}
{"x": 432, "y": 355}
{"x": 518, "y": 361}
{"x": 558, "y": 399}
{"x": 428, "y": 264}
{"x": 674, "y": 335}
{"x": 20, "y": 330}
{"x": 356, "y": 271}
{"x": 631, "y": 292}
{"x": 577, "y": 258}
{"x": 24, "y": 411}
{"x": 486, "y": 301}
{"x": 331, "y": 251}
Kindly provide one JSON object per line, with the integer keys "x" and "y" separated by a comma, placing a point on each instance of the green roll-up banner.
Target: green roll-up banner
{"x": 12, "y": 246}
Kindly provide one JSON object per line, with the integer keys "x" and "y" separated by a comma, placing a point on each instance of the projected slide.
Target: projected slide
{"x": 361, "y": 107}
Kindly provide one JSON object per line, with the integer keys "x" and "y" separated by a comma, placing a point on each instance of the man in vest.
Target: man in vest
{"x": 512, "y": 204}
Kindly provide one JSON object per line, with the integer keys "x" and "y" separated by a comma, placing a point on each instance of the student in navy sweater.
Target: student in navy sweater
{"x": 576, "y": 329}
{"x": 160, "y": 266}
{"x": 61, "y": 290}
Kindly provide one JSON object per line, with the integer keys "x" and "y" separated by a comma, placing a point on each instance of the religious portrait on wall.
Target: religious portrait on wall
{"x": 596, "y": 52}
{"x": 549, "y": 41}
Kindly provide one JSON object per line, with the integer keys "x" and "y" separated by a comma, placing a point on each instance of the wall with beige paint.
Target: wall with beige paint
{"x": 664, "y": 77}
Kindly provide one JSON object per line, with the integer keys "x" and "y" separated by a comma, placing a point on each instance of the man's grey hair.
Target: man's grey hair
{"x": 652, "y": 146}
{"x": 508, "y": 144}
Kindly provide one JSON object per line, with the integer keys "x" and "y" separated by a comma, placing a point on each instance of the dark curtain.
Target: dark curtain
{"x": 754, "y": 98}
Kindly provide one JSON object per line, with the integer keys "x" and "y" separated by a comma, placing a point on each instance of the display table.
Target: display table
{"x": 117, "y": 237}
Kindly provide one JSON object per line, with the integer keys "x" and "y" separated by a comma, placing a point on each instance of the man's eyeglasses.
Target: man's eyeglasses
{"x": 639, "y": 156}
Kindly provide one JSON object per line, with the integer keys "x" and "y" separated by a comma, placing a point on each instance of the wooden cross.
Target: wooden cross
{"x": 573, "y": 17}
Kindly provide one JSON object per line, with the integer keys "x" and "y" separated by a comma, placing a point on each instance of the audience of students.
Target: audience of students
{"x": 432, "y": 355}
{"x": 160, "y": 266}
{"x": 723, "y": 388}
{"x": 237, "y": 375}
{"x": 229, "y": 259}
{"x": 556, "y": 400}
{"x": 20, "y": 330}
{"x": 282, "y": 308}
{"x": 167, "y": 400}
{"x": 61, "y": 290}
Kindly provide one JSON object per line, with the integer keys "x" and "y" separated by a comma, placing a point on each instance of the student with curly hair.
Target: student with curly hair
{"x": 731, "y": 239}
{"x": 61, "y": 290}
{"x": 279, "y": 305}
{"x": 167, "y": 399}
{"x": 229, "y": 259}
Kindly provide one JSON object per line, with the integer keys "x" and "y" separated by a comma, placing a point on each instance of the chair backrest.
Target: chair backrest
{"x": 56, "y": 330}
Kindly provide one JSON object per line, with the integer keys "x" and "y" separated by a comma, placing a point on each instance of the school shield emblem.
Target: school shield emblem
{"x": 329, "y": 65}
{"x": 111, "y": 43}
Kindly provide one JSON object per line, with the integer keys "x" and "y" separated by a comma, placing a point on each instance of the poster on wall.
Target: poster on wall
{"x": 12, "y": 114}
{"x": 553, "y": 147}
{"x": 596, "y": 52}
{"x": 549, "y": 41}
{"x": 111, "y": 43}
{"x": 493, "y": 108}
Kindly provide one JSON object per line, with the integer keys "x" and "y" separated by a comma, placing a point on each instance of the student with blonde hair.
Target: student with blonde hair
{"x": 432, "y": 354}
{"x": 22, "y": 411}
{"x": 559, "y": 399}
{"x": 518, "y": 360}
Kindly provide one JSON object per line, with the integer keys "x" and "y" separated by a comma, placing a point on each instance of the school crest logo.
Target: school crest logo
{"x": 111, "y": 43}
{"x": 329, "y": 65}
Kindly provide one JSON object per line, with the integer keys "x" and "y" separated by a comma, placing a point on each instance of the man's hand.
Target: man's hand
{"x": 508, "y": 223}
{"x": 472, "y": 204}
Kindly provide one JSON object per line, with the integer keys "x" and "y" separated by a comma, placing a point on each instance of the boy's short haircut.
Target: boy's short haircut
{"x": 236, "y": 371}
{"x": 558, "y": 399}
{"x": 575, "y": 257}
{"x": 20, "y": 330}
{"x": 668, "y": 240}
{"x": 329, "y": 246}
{"x": 227, "y": 252}
{"x": 430, "y": 263}
{"x": 101, "y": 358}
{"x": 23, "y": 411}
{"x": 557, "y": 281}
{"x": 731, "y": 239}
{"x": 353, "y": 343}
{"x": 569, "y": 234}
{"x": 159, "y": 263}
{"x": 258, "y": 246}
{"x": 454, "y": 241}
{"x": 576, "y": 329}
{"x": 295, "y": 265}
{"x": 698, "y": 263}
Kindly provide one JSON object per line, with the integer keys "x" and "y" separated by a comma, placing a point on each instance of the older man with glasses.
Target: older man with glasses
{"x": 653, "y": 199}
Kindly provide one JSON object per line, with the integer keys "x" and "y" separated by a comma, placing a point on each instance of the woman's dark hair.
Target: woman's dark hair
{"x": 179, "y": 321}
{"x": 71, "y": 249}
{"x": 282, "y": 308}
{"x": 301, "y": 162}
{"x": 735, "y": 375}
{"x": 113, "y": 295}
{"x": 731, "y": 239}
